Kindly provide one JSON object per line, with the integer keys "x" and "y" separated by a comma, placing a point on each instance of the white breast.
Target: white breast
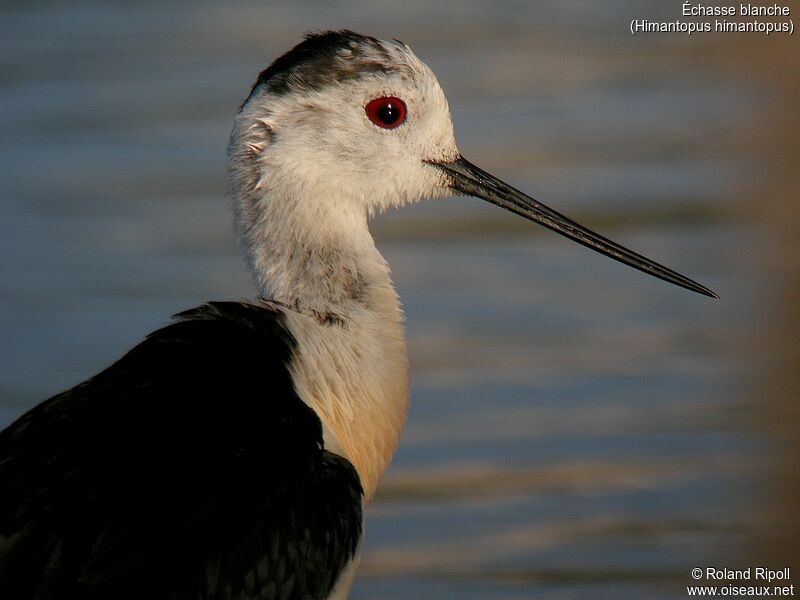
{"x": 355, "y": 376}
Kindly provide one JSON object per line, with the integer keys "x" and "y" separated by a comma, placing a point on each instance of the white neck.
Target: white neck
{"x": 314, "y": 260}
{"x": 312, "y": 252}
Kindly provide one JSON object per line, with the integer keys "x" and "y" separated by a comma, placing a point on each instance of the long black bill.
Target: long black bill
{"x": 466, "y": 178}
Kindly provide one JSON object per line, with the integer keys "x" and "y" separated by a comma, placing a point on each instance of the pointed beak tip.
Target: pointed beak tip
{"x": 466, "y": 178}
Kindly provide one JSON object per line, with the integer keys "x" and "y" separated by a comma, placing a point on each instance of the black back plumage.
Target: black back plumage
{"x": 188, "y": 469}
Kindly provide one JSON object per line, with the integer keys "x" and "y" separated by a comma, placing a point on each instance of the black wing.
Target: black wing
{"x": 188, "y": 469}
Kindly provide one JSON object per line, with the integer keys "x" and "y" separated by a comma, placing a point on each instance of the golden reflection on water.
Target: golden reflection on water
{"x": 775, "y": 393}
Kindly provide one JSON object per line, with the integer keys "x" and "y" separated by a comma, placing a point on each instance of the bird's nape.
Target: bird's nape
{"x": 469, "y": 179}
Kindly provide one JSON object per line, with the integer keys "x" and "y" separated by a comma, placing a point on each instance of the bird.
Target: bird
{"x": 231, "y": 453}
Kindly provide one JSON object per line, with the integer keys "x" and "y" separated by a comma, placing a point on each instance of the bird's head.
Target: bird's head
{"x": 350, "y": 118}
{"x": 345, "y": 125}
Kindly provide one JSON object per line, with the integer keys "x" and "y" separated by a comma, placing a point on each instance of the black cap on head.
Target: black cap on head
{"x": 323, "y": 58}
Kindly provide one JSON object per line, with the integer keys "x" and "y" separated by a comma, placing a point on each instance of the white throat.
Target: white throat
{"x": 312, "y": 253}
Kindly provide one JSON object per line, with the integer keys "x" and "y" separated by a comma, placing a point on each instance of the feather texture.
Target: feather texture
{"x": 188, "y": 469}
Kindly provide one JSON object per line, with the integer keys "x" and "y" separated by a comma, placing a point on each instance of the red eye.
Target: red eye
{"x": 387, "y": 112}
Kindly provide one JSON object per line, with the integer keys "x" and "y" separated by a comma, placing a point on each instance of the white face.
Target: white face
{"x": 305, "y": 150}
{"x": 324, "y": 139}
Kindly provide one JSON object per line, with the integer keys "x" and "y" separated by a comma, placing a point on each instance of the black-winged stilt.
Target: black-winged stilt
{"x": 229, "y": 454}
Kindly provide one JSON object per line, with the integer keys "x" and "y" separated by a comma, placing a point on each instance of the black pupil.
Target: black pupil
{"x": 388, "y": 113}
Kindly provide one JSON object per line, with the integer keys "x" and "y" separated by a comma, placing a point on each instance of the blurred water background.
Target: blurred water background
{"x": 577, "y": 430}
